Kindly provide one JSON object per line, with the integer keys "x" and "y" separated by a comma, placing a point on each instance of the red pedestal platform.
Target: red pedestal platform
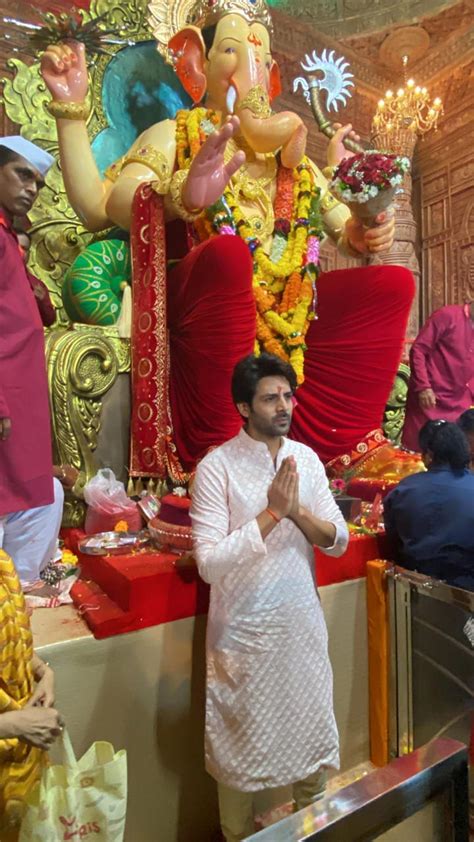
{"x": 122, "y": 593}
{"x": 361, "y": 549}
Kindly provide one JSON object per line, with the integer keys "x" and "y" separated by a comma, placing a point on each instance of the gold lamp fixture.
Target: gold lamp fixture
{"x": 404, "y": 116}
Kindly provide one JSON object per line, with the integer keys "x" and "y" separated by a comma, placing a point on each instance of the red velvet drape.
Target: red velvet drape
{"x": 211, "y": 320}
{"x": 354, "y": 348}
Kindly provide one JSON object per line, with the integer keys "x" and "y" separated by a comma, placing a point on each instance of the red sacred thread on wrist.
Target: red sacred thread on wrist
{"x": 273, "y": 515}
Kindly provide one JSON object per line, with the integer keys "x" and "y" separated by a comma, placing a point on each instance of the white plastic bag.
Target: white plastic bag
{"x": 108, "y": 503}
{"x": 106, "y": 492}
{"x": 84, "y": 798}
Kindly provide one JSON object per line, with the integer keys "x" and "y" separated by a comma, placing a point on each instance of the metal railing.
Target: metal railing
{"x": 432, "y": 660}
{"x": 384, "y": 798}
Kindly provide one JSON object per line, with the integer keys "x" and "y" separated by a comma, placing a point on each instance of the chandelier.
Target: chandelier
{"x": 403, "y": 116}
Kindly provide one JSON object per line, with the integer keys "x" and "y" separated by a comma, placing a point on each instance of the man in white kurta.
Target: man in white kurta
{"x": 269, "y": 709}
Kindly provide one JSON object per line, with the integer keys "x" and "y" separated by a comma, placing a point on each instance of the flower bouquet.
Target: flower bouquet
{"x": 368, "y": 182}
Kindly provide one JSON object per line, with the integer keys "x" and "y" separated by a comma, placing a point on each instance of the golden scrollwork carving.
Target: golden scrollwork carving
{"x": 83, "y": 364}
{"x": 394, "y": 415}
{"x": 58, "y": 236}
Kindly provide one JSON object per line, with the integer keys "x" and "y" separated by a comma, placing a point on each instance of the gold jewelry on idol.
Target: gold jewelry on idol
{"x": 151, "y": 158}
{"x": 254, "y": 192}
{"x": 68, "y": 110}
{"x": 176, "y": 188}
{"x": 257, "y": 101}
{"x": 167, "y": 17}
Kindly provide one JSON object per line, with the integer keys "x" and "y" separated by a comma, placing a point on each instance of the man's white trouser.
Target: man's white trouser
{"x": 236, "y": 808}
{"x": 30, "y": 538}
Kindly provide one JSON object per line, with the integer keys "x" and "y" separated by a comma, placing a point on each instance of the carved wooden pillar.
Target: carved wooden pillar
{"x": 403, "y": 251}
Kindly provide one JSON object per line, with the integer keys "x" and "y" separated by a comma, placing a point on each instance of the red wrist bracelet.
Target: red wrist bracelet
{"x": 273, "y": 515}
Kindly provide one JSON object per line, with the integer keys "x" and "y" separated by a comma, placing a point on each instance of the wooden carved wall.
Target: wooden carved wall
{"x": 443, "y": 188}
{"x": 446, "y": 196}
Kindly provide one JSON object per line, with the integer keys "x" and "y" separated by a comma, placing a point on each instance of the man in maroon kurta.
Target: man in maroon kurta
{"x": 442, "y": 370}
{"x": 30, "y": 504}
{"x": 40, "y": 290}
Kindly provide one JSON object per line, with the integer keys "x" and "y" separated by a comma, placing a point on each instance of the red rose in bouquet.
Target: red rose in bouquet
{"x": 368, "y": 182}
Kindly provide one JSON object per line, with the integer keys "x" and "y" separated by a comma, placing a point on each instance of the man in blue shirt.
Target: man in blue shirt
{"x": 429, "y": 517}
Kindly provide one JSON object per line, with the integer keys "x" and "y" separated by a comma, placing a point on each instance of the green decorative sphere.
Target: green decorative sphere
{"x": 93, "y": 285}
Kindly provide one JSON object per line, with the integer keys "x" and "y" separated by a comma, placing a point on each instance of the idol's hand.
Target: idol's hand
{"x": 64, "y": 70}
{"x": 377, "y": 238}
{"x": 209, "y": 175}
{"x": 5, "y": 428}
{"x": 337, "y": 152}
{"x": 283, "y": 492}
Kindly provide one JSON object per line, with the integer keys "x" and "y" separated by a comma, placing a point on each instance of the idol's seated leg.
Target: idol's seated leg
{"x": 354, "y": 348}
{"x": 211, "y": 318}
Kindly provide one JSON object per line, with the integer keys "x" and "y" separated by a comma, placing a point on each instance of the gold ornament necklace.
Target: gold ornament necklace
{"x": 255, "y": 190}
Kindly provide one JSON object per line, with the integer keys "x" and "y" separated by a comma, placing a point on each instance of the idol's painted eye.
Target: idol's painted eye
{"x": 230, "y": 50}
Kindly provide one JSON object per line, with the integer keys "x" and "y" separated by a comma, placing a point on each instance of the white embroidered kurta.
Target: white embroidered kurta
{"x": 269, "y": 708}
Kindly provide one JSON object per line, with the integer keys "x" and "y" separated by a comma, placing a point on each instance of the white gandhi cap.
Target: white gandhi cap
{"x": 35, "y": 156}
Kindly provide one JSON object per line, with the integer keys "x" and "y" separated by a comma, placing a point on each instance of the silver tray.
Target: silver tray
{"x": 113, "y": 543}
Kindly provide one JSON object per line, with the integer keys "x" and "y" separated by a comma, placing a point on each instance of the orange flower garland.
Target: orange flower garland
{"x": 284, "y": 282}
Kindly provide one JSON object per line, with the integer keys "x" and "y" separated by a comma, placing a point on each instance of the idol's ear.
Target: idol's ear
{"x": 189, "y": 52}
{"x": 274, "y": 87}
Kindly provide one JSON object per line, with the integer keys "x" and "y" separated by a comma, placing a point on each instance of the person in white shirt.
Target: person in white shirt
{"x": 260, "y": 503}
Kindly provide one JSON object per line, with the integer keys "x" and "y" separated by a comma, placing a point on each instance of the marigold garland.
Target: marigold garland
{"x": 284, "y": 283}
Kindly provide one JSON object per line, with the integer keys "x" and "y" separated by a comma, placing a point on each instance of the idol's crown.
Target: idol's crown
{"x": 167, "y": 17}
{"x": 208, "y": 12}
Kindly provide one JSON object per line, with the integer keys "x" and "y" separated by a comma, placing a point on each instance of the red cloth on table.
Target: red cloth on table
{"x": 118, "y": 594}
{"x": 354, "y": 348}
{"x": 26, "y": 470}
{"x": 129, "y": 592}
{"x": 352, "y": 565}
{"x": 442, "y": 359}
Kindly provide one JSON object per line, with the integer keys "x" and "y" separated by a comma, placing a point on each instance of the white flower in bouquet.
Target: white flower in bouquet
{"x": 368, "y": 182}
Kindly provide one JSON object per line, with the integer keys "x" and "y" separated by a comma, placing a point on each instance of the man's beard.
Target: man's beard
{"x": 278, "y": 426}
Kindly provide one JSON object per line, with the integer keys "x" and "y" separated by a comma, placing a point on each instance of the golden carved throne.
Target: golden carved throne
{"x": 394, "y": 416}
{"x": 85, "y": 367}
{"x": 88, "y": 366}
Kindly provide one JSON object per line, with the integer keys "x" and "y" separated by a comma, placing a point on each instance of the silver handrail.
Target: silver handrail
{"x": 436, "y": 587}
{"x": 383, "y": 798}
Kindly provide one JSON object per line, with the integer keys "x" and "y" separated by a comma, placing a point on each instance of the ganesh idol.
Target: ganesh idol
{"x": 226, "y": 214}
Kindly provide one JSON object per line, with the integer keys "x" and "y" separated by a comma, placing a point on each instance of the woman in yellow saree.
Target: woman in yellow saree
{"x": 29, "y": 724}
